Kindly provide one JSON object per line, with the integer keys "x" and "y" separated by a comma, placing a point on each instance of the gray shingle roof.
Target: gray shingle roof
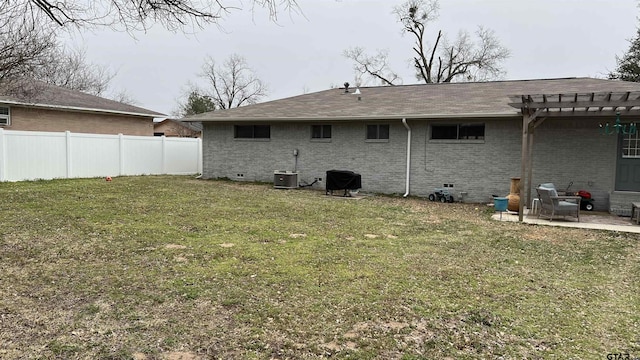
{"x": 481, "y": 99}
{"x": 38, "y": 94}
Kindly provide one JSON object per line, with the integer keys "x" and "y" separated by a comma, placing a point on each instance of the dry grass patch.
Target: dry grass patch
{"x": 171, "y": 267}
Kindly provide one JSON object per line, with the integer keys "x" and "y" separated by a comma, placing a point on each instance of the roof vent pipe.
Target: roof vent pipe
{"x": 404, "y": 122}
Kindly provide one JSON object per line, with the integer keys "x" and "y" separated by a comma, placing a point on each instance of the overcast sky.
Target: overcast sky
{"x": 303, "y": 53}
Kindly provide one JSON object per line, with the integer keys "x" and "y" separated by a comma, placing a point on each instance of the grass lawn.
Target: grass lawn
{"x": 172, "y": 267}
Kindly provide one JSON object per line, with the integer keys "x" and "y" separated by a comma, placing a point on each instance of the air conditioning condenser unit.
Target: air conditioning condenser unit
{"x": 285, "y": 180}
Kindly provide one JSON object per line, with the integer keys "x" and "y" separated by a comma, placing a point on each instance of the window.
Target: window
{"x": 321, "y": 131}
{"x": 631, "y": 146}
{"x": 457, "y": 132}
{"x": 378, "y": 132}
{"x": 252, "y": 131}
{"x": 4, "y": 116}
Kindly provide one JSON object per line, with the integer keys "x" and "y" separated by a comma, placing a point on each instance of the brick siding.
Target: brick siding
{"x": 564, "y": 151}
{"x": 32, "y": 119}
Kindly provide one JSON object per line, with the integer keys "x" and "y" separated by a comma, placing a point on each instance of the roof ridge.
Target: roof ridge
{"x": 472, "y": 82}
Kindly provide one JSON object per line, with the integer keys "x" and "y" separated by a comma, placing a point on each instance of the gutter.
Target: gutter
{"x": 404, "y": 122}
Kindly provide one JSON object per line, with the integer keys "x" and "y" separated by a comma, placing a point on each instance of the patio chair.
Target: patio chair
{"x": 553, "y": 206}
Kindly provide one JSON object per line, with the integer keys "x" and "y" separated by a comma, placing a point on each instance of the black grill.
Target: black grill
{"x": 342, "y": 180}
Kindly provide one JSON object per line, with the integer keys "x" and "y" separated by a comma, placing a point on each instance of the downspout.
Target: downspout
{"x": 404, "y": 122}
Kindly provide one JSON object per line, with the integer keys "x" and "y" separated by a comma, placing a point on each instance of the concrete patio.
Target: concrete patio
{"x": 588, "y": 220}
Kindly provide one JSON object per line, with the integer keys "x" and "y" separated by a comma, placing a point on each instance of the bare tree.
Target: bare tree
{"x": 142, "y": 14}
{"x": 24, "y": 44}
{"x": 376, "y": 66}
{"x": 124, "y": 97}
{"x": 232, "y": 84}
{"x": 463, "y": 59}
{"x": 69, "y": 68}
{"x": 29, "y": 50}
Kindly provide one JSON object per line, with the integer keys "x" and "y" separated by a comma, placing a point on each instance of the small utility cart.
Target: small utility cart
{"x": 442, "y": 195}
{"x": 586, "y": 201}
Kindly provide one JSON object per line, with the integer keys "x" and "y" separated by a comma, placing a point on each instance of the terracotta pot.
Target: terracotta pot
{"x": 514, "y": 195}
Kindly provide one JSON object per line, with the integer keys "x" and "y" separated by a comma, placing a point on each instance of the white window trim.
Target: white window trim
{"x": 631, "y": 146}
{"x": 5, "y": 120}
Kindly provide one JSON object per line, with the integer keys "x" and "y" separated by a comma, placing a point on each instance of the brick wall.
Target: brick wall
{"x": 172, "y": 129}
{"x": 564, "y": 151}
{"x": 31, "y": 119}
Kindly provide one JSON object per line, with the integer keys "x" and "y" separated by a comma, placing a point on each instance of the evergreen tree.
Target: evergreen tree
{"x": 196, "y": 104}
{"x": 628, "y": 68}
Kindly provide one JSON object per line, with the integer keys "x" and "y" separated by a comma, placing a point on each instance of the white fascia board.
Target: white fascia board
{"x": 364, "y": 118}
{"x": 80, "y": 109}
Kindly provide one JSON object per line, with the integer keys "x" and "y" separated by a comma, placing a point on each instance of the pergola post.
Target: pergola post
{"x": 530, "y": 163}
{"x": 564, "y": 105}
{"x": 526, "y": 129}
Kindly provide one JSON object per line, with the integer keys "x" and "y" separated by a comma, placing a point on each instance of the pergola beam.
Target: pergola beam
{"x": 633, "y": 111}
{"x": 577, "y": 104}
{"x": 580, "y": 105}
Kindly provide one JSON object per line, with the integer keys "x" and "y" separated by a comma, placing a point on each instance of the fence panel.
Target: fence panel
{"x": 30, "y": 155}
{"x": 94, "y": 155}
{"x": 142, "y": 155}
{"x": 179, "y": 157}
{"x": 35, "y": 156}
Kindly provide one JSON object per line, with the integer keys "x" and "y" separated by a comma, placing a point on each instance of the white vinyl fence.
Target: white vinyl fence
{"x": 30, "y": 155}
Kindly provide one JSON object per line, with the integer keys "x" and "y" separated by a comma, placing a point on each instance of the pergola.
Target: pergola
{"x": 537, "y": 108}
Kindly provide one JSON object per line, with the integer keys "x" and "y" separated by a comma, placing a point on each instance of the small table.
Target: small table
{"x": 635, "y": 212}
{"x": 535, "y": 206}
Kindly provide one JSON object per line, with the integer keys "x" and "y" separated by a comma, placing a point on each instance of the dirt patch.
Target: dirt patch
{"x": 296, "y": 236}
{"x": 333, "y": 346}
{"x": 175, "y": 246}
{"x": 178, "y": 355}
{"x": 371, "y": 236}
{"x": 394, "y": 325}
{"x": 350, "y": 345}
{"x": 175, "y": 355}
{"x": 350, "y": 335}
{"x": 227, "y": 245}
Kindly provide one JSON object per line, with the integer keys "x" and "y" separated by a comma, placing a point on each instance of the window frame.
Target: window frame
{"x": 631, "y": 146}
{"x": 323, "y": 132}
{"x": 5, "y": 119}
{"x": 460, "y": 130}
{"x": 377, "y": 137}
{"x": 253, "y": 132}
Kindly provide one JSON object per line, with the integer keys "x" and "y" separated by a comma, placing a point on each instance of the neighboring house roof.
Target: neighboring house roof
{"x": 426, "y": 101}
{"x": 42, "y": 95}
{"x": 193, "y": 126}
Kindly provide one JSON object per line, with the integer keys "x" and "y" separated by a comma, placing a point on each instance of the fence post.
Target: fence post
{"x": 3, "y": 156}
{"x": 164, "y": 155}
{"x": 121, "y": 154}
{"x": 200, "y": 156}
{"x": 68, "y": 139}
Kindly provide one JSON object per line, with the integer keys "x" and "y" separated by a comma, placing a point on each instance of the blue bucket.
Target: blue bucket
{"x": 500, "y": 203}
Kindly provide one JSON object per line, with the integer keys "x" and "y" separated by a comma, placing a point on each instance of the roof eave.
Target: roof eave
{"x": 82, "y": 109}
{"x": 362, "y": 118}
